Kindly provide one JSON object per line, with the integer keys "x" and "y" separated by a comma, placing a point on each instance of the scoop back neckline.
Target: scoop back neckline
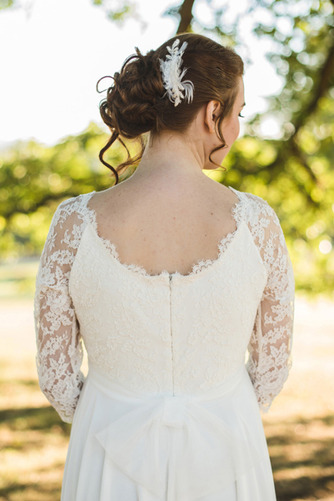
{"x": 197, "y": 268}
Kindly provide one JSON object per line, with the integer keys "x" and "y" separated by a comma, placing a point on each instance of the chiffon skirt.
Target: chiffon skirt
{"x": 163, "y": 447}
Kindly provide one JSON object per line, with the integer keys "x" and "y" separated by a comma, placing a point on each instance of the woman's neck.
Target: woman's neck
{"x": 171, "y": 155}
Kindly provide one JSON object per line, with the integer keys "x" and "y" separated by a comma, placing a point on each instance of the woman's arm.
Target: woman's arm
{"x": 271, "y": 341}
{"x": 59, "y": 348}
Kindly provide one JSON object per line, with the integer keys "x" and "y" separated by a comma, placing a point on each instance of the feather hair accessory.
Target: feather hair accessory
{"x": 172, "y": 75}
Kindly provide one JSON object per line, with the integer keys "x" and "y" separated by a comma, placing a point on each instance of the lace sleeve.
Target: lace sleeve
{"x": 269, "y": 349}
{"x": 59, "y": 348}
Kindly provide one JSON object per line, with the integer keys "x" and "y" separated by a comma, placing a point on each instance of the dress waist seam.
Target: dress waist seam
{"x": 113, "y": 389}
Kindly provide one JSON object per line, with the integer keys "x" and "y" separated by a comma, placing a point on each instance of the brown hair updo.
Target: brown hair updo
{"x": 137, "y": 102}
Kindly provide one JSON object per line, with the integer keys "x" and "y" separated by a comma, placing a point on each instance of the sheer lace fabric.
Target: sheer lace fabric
{"x": 59, "y": 346}
{"x": 271, "y": 341}
{"x": 84, "y": 291}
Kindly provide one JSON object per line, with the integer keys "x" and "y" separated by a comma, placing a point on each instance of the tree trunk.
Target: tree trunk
{"x": 186, "y": 16}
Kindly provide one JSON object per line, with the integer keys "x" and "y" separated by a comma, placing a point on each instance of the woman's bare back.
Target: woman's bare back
{"x": 160, "y": 226}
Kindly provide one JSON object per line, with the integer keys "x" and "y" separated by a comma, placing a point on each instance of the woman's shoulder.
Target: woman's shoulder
{"x": 72, "y": 211}
{"x": 78, "y": 203}
{"x": 261, "y": 219}
{"x": 252, "y": 207}
{"x": 250, "y": 198}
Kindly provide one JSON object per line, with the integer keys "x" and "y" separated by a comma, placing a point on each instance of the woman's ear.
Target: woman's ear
{"x": 210, "y": 117}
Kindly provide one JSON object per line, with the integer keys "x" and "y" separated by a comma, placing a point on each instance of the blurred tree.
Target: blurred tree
{"x": 292, "y": 170}
{"x": 5, "y": 4}
{"x": 34, "y": 179}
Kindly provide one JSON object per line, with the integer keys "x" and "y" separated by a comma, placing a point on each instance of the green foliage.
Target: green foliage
{"x": 306, "y": 215}
{"x": 119, "y": 13}
{"x": 293, "y": 172}
{"x": 34, "y": 179}
{"x": 5, "y": 4}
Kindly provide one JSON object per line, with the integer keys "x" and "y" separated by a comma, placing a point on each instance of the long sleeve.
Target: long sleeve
{"x": 59, "y": 347}
{"x": 270, "y": 345}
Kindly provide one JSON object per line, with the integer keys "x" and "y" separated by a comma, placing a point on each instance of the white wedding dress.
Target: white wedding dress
{"x": 170, "y": 408}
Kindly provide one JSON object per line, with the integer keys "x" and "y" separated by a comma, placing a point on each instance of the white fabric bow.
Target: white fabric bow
{"x": 207, "y": 453}
{"x": 172, "y": 75}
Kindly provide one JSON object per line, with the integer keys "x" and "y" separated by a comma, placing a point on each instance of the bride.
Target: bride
{"x": 182, "y": 291}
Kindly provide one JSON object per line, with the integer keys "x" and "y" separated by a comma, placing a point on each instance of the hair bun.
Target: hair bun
{"x": 131, "y": 103}
{"x": 138, "y": 101}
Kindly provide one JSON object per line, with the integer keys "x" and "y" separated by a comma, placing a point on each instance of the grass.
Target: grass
{"x": 299, "y": 427}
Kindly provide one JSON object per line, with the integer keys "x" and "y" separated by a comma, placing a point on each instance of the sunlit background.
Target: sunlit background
{"x": 52, "y": 54}
{"x": 56, "y": 50}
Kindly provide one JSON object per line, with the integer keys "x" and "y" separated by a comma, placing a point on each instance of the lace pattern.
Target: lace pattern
{"x": 270, "y": 345}
{"x": 59, "y": 345}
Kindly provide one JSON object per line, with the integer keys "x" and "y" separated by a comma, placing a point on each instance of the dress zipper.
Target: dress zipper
{"x": 171, "y": 330}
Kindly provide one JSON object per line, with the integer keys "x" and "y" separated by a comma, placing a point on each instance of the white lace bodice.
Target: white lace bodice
{"x": 167, "y": 332}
